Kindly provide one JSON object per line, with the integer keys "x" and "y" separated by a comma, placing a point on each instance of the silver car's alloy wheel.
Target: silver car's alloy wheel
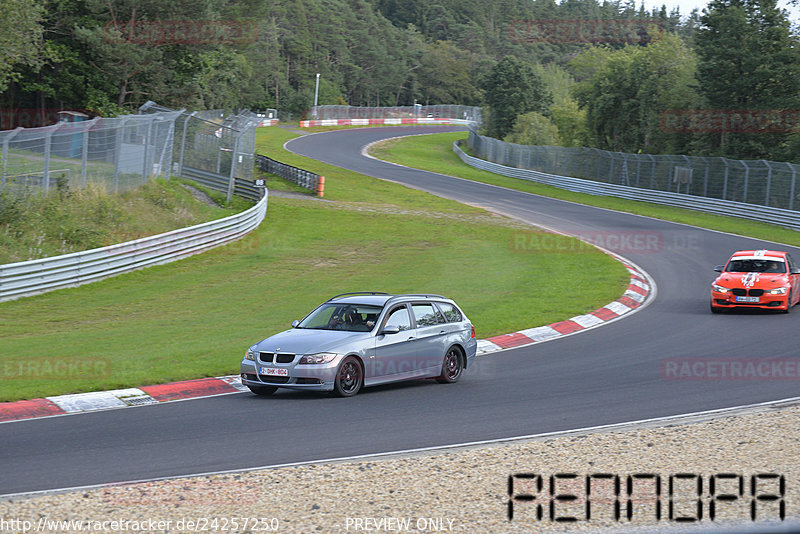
{"x": 349, "y": 378}
{"x": 452, "y": 366}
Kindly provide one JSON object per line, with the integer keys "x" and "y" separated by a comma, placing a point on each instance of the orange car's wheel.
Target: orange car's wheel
{"x": 714, "y": 309}
{"x": 788, "y": 302}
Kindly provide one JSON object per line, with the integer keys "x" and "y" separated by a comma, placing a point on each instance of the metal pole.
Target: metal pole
{"x": 85, "y": 150}
{"x": 5, "y": 154}
{"x": 183, "y": 143}
{"x": 746, "y": 180}
{"x": 705, "y": 179}
{"x": 232, "y": 179}
{"x": 652, "y": 171}
{"x": 47, "y": 144}
{"x": 725, "y": 182}
{"x": 316, "y": 95}
{"x": 117, "y": 149}
{"x": 146, "y": 154}
{"x": 769, "y": 181}
{"x": 791, "y": 192}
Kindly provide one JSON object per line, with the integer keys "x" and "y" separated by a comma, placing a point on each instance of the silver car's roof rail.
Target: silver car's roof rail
{"x": 424, "y": 295}
{"x": 358, "y": 293}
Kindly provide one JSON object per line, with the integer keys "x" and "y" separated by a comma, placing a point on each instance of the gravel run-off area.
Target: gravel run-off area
{"x": 467, "y": 489}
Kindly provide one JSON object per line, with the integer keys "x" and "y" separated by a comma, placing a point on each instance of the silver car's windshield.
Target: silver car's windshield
{"x": 348, "y": 317}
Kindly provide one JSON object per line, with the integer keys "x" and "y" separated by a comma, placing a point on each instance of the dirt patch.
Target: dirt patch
{"x": 200, "y": 196}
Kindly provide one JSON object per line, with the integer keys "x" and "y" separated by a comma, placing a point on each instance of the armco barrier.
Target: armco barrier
{"x": 301, "y": 177}
{"x": 38, "y": 276}
{"x": 385, "y": 122}
{"x": 782, "y": 217}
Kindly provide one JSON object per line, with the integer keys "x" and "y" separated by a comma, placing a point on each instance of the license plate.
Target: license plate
{"x": 746, "y": 299}
{"x": 272, "y": 371}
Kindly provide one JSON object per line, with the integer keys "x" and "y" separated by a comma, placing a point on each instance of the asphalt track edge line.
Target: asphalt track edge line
{"x": 655, "y": 422}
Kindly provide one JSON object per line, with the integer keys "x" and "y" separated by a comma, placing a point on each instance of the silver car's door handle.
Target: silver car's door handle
{"x": 410, "y": 338}
{"x": 443, "y": 332}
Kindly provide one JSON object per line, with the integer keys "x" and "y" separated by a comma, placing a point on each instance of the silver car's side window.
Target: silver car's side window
{"x": 426, "y": 315}
{"x": 399, "y": 317}
{"x": 451, "y": 313}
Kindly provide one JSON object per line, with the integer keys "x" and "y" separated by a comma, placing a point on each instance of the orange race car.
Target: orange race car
{"x": 766, "y": 279}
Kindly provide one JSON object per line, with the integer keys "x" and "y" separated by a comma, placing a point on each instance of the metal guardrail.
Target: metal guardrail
{"x": 782, "y": 217}
{"x": 303, "y": 178}
{"x": 243, "y": 188}
{"x": 38, "y": 276}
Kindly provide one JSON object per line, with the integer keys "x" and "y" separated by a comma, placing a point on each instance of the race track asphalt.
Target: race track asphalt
{"x": 605, "y": 375}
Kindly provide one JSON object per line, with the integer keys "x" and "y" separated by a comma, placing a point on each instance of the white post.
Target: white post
{"x": 316, "y": 95}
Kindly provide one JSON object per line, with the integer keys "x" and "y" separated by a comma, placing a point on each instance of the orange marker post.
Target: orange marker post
{"x": 321, "y": 187}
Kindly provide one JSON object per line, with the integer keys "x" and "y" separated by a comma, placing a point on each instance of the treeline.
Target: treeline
{"x": 580, "y": 72}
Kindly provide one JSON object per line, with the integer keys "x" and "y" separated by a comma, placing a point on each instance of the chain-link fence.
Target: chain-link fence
{"x": 124, "y": 152}
{"x": 118, "y": 153}
{"x": 215, "y": 142}
{"x": 466, "y": 113}
{"x": 762, "y": 182}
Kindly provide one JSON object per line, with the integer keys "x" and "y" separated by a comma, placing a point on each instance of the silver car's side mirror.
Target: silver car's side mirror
{"x": 295, "y": 323}
{"x": 390, "y": 330}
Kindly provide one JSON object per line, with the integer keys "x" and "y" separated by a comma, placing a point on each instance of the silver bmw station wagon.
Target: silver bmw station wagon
{"x": 364, "y": 339}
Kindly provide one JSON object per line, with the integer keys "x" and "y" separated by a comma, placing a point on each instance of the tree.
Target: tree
{"x": 445, "y": 75}
{"x": 533, "y": 129}
{"x": 625, "y": 91}
{"x": 513, "y": 88}
{"x": 20, "y": 37}
{"x": 748, "y": 59}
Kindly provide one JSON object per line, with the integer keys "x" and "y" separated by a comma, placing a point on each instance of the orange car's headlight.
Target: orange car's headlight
{"x": 776, "y": 291}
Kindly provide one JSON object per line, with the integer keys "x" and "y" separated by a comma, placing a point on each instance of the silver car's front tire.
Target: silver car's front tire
{"x": 452, "y": 366}
{"x": 264, "y": 391}
{"x": 349, "y": 378}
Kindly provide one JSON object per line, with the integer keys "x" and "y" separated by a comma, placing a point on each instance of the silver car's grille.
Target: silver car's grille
{"x": 271, "y": 357}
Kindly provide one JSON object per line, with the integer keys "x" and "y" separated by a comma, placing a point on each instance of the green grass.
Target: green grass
{"x": 35, "y": 225}
{"x": 435, "y": 153}
{"x": 195, "y": 317}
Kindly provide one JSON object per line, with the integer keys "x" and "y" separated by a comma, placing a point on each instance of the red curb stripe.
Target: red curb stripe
{"x": 604, "y": 314}
{"x": 508, "y": 341}
{"x": 637, "y": 289}
{"x": 27, "y": 409}
{"x": 565, "y": 327}
{"x": 639, "y": 278}
{"x": 189, "y": 389}
{"x": 629, "y": 302}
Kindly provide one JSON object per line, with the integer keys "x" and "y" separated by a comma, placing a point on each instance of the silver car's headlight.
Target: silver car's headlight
{"x": 250, "y": 354}
{"x": 776, "y": 291}
{"x": 320, "y": 357}
{"x": 719, "y": 289}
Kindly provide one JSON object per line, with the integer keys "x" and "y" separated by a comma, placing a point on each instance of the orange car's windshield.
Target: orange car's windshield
{"x": 756, "y": 266}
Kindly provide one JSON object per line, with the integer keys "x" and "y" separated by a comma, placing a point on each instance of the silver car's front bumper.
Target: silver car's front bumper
{"x": 317, "y": 377}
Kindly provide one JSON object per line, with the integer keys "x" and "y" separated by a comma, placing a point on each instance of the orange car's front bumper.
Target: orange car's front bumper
{"x": 766, "y": 302}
